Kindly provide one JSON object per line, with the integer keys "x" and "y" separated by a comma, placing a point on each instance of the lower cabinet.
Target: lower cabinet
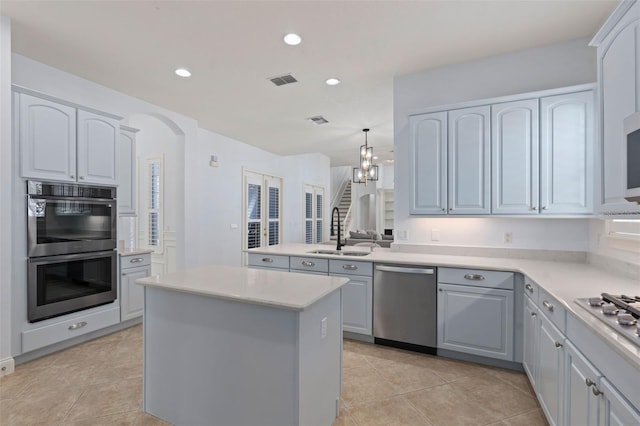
{"x": 357, "y": 295}
{"x": 132, "y": 267}
{"x": 582, "y": 395}
{"x": 530, "y": 333}
{"x": 550, "y": 370}
{"x": 615, "y": 409}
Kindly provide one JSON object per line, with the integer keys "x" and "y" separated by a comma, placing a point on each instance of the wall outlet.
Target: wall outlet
{"x": 323, "y": 328}
{"x": 435, "y": 235}
{"x": 234, "y": 226}
{"x": 508, "y": 237}
{"x": 402, "y": 235}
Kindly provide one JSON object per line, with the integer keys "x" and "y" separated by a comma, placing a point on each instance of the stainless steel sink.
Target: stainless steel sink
{"x": 340, "y": 252}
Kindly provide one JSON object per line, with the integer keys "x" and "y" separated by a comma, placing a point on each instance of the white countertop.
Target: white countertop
{"x": 282, "y": 290}
{"x": 565, "y": 281}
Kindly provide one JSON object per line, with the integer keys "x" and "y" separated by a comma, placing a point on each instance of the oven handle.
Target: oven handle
{"x": 79, "y": 199}
{"x": 77, "y": 256}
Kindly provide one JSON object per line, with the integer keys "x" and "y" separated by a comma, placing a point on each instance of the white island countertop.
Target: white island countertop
{"x": 282, "y": 290}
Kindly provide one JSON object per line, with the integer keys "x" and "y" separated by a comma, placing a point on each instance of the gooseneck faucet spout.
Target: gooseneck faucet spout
{"x": 333, "y": 213}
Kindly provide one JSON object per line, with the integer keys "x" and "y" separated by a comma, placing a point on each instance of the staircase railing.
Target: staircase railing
{"x": 339, "y": 193}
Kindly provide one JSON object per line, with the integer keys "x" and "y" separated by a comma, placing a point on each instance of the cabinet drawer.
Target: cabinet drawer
{"x": 54, "y": 333}
{"x": 135, "y": 261}
{"x": 531, "y": 289}
{"x": 476, "y": 278}
{"x": 308, "y": 264}
{"x": 269, "y": 260}
{"x": 552, "y": 309}
{"x": 349, "y": 267}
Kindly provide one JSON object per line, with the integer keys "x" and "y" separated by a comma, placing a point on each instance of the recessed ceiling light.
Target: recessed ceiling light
{"x": 183, "y": 72}
{"x": 332, "y": 81}
{"x": 375, "y": 157}
{"x": 292, "y": 39}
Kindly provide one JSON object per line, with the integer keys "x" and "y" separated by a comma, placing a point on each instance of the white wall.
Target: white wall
{"x": 558, "y": 65}
{"x": 6, "y": 171}
{"x": 601, "y": 245}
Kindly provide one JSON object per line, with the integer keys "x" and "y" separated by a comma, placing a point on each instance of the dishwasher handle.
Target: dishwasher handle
{"x": 405, "y": 270}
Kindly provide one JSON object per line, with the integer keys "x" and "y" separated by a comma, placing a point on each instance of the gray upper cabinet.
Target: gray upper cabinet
{"x": 47, "y": 137}
{"x": 514, "y": 146}
{"x": 469, "y": 162}
{"x": 126, "y": 170}
{"x": 566, "y": 153}
{"x": 428, "y": 152}
{"x": 97, "y": 138}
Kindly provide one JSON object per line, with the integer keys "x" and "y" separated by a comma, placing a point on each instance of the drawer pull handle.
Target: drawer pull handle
{"x": 548, "y": 305}
{"x": 308, "y": 263}
{"x": 533, "y": 314}
{"x": 136, "y": 260}
{"x": 350, "y": 267}
{"x": 589, "y": 382}
{"x": 559, "y": 345}
{"x": 475, "y": 277}
{"x": 529, "y": 287}
{"x": 267, "y": 259}
{"x": 77, "y": 325}
{"x": 596, "y": 391}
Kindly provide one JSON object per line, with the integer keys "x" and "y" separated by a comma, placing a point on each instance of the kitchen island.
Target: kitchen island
{"x": 237, "y": 346}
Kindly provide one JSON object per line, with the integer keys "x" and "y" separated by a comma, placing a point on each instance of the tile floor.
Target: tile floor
{"x": 100, "y": 383}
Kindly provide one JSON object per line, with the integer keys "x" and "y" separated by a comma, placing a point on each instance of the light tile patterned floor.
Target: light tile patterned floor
{"x": 100, "y": 383}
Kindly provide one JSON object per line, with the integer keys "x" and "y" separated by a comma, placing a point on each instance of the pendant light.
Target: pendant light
{"x": 367, "y": 170}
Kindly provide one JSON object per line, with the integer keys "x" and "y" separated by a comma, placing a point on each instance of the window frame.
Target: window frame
{"x": 146, "y": 200}
{"x": 622, "y": 236}
{"x": 314, "y": 190}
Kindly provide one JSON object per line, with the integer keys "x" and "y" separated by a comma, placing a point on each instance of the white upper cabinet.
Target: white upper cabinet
{"x": 63, "y": 143}
{"x": 515, "y": 157}
{"x": 97, "y": 137}
{"x": 619, "y": 68}
{"x": 125, "y": 163}
{"x": 47, "y": 136}
{"x": 566, "y": 153}
{"x": 469, "y": 160}
{"x": 428, "y": 153}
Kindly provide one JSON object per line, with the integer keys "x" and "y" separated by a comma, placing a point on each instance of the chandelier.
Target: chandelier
{"x": 367, "y": 170}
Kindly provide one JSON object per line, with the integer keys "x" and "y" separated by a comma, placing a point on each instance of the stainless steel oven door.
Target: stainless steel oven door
{"x": 59, "y": 285}
{"x": 64, "y": 225}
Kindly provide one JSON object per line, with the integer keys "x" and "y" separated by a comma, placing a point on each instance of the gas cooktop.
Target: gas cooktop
{"x": 619, "y": 312}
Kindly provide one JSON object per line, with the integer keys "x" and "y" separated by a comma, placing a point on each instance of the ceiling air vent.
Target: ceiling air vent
{"x": 283, "y": 79}
{"x": 318, "y": 119}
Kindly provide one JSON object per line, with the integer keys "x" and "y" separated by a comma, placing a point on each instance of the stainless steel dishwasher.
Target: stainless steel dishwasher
{"x": 404, "y": 306}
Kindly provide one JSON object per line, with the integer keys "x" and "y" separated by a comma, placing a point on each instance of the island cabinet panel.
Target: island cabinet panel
{"x": 514, "y": 148}
{"x": 210, "y": 361}
{"x": 469, "y": 160}
{"x": 47, "y": 136}
{"x": 428, "y": 171}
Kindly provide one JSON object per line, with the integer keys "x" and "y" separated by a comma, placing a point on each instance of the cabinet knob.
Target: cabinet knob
{"x": 596, "y": 391}
{"x": 444, "y": 210}
{"x": 72, "y": 176}
{"x": 267, "y": 259}
{"x": 440, "y": 289}
{"x": 589, "y": 382}
{"x": 544, "y": 207}
{"x": 534, "y": 208}
{"x": 533, "y": 314}
{"x": 80, "y": 177}
{"x": 547, "y": 305}
{"x": 124, "y": 273}
{"x": 529, "y": 287}
{"x": 559, "y": 345}
{"x": 450, "y": 208}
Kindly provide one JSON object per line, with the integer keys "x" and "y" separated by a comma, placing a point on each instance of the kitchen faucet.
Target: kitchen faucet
{"x": 335, "y": 209}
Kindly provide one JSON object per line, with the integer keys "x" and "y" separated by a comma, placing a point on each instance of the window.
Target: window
{"x": 313, "y": 214}
{"x": 624, "y": 234}
{"x": 152, "y": 213}
{"x": 262, "y": 193}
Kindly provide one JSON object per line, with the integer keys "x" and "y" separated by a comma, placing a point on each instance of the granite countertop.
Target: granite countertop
{"x": 282, "y": 290}
{"x": 134, "y": 252}
{"x": 565, "y": 281}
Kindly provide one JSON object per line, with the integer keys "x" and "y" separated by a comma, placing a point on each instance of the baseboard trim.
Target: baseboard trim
{"x": 7, "y": 366}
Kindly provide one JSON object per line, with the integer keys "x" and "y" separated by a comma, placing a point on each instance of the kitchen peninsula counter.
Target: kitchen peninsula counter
{"x": 229, "y": 345}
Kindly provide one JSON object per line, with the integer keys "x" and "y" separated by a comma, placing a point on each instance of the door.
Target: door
{"x": 469, "y": 160}
{"x": 47, "y": 134}
{"x": 428, "y": 164}
{"x": 313, "y": 214}
{"x": 357, "y": 303}
{"x": 97, "y": 138}
{"x": 530, "y": 338}
{"x": 566, "y": 153}
{"x": 551, "y": 370}
{"x": 514, "y": 147}
{"x": 263, "y": 206}
{"x": 476, "y": 320}
{"x": 581, "y": 382}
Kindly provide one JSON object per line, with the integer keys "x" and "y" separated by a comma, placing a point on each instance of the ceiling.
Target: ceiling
{"x": 232, "y": 49}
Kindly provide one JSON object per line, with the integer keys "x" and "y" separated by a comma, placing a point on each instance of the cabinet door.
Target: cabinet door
{"x": 581, "y": 404}
{"x": 428, "y": 159}
{"x": 47, "y": 135}
{"x": 357, "y": 302}
{"x": 97, "y": 138}
{"x": 620, "y": 97}
{"x": 530, "y": 338}
{"x": 469, "y": 160}
{"x": 132, "y": 294}
{"x": 125, "y": 163}
{"x": 476, "y": 320}
{"x": 566, "y": 153}
{"x": 550, "y": 370}
{"x": 616, "y": 409}
{"x": 514, "y": 147}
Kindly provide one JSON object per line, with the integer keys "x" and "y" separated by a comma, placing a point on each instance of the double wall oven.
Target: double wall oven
{"x": 71, "y": 241}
